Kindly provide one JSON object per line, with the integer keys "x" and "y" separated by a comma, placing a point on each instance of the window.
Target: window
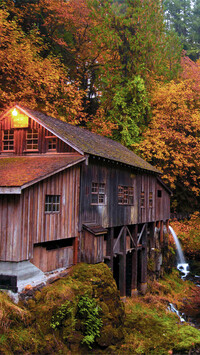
{"x": 51, "y": 143}
{"x": 142, "y": 199}
{"x": 125, "y": 195}
{"x": 98, "y": 193}
{"x": 159, "y": 193}
{"x": 52, "y": 203}
{"x": 8, "y": 139}
{"x": 32, "y": 139}
{"x": 150, "y": 199}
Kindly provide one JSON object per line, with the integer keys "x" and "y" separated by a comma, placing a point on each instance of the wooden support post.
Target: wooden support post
{"x": 158, "y": 224}
{"x": 122, "y": 265}
{"x": 143, "y": 284}
{"x": 109, "y": 247}
{"x": 167, "y": 225}
{"x": 152, "y": 235}
{"x": 134, "y": 291}
{"x": 161, "y": 232}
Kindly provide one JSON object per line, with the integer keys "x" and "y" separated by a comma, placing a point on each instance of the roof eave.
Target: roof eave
{"x": 18, "y": 189}
{"x": 13, "y": 190}
{"x": 49, "y": 129}
{"x": 153, "y": 171}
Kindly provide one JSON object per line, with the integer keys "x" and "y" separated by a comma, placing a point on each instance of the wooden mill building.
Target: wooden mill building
{"x": 68, "y": 195}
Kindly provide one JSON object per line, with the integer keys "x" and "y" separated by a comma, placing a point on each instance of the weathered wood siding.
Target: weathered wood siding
{"x": 92, "y": 248}
{"x": 23, "y": 221}
{"x": 162, "y": 203}
{"x": 47, "y": 260}
{"x": 20, "y": 138}
{"x": 10, "y": 217}
{"x": 112, "y": 214}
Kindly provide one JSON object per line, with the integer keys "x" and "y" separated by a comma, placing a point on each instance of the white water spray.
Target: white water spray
{"x": 181, "y": 265}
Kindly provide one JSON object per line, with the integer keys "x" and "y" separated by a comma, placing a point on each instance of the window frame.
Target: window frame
{"x": 8, "y": 140}
{"x": 53, "y": 203}
{"x": 125, "y": 195}
{"x": 98, "y": 193}
{"x": 32, "y": 131}
{"x": 48, "y": 138}
{"x": 142, "y": 199}
{"x": 151, "y": 199}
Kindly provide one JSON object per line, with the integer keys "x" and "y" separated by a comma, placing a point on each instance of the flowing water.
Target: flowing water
{"x": 182, "y": 266}
{"x": 189, "y": 315}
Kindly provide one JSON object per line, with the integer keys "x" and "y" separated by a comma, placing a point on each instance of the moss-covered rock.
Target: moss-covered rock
{"x": 84, "y": 311}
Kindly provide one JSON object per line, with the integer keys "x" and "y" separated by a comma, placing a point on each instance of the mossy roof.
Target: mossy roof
{"x": 20, "y": 171}
{"x": 86, "y": 142}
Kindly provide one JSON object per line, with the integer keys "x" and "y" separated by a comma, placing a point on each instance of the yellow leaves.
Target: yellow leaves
{"x": 172, "y": 141}
{"x": 28, "y": 78}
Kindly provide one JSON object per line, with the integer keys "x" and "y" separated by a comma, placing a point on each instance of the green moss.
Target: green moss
{"x": 142, "y": 325}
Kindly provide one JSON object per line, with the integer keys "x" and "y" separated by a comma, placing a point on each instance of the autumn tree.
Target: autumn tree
{"x": 28, "y": 78}
{"x": 111, "y": 48}
{"x": 171, "y": 142}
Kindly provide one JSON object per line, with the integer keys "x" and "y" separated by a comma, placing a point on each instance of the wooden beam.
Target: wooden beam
{"x": 135, "y": 244}
{"x": 122, "y": 264}
{"x": 118, "y": 238}
{"x": 141, "y": 233}
{"x": 134, "y": 263}
{"x": 109, "y": 247}
{"x": 143, "y": 284}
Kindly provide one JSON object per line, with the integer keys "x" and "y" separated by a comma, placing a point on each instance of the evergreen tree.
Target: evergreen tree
{"x": 183, "y": 17}
{"x": 195, "y": 32}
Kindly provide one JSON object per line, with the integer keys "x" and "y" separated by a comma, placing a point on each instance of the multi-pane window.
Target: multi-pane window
{"x": 142, "y": 199}
{"x": 98, "y": 193}
{"x": 150, "y": 199}
{"x": 32, "y": 139}
{"x": 8, "y": 140}
{"x": 52, "y": 203}
{"x": 125, "y": 195}
{"x": 51, "y": 143}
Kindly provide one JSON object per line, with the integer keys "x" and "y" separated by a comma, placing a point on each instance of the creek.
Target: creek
{"x": 188, "y": 313}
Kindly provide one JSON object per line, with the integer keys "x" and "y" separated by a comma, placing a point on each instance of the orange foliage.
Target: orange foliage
{"x": 172, "y": 140}
{"x": 29, "y": 79}
{"x": 188, "y": 232}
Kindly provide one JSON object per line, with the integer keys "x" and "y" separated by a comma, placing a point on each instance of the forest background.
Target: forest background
{"x": 129, "y": 70}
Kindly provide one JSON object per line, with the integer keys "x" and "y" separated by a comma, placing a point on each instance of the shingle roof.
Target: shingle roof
{"x": 19, "y": 171}
{"x": 87, "y": 142}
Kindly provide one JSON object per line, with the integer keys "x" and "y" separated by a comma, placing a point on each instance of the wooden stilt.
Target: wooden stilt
{"x": 167, "y": 225}
{"x": 143, "y": 284}
{"x": 122, "y": 265}
{"x": 134, "y": 291}
{"x": 161, "y": 232}
{"x": 109, "y": 251}
{"x": 152, "y": 235}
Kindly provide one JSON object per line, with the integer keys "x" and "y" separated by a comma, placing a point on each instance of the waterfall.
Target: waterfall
{"x": 181, "y": 265}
